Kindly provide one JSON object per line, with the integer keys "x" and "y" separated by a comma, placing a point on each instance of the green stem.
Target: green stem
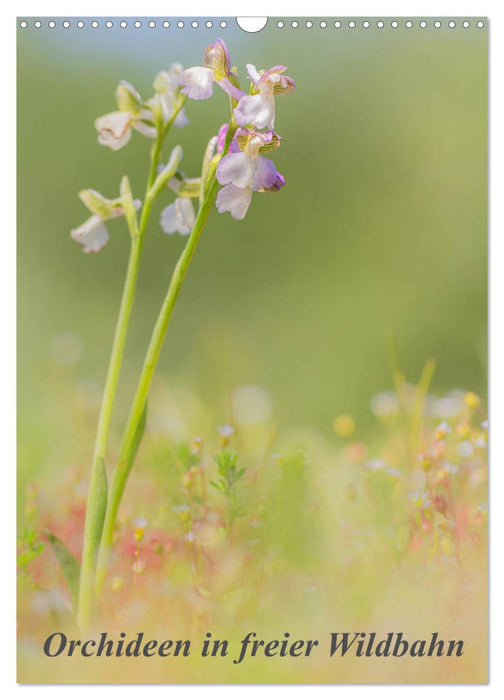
{"x": 89, "y": 548}
{"x": 137, "y": 412}
{"x": 94, "y": 511}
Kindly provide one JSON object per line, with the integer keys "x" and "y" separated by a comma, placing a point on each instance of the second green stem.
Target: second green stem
{"x": 130, "y": 440}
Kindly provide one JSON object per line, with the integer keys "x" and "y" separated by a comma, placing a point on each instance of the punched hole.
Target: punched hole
{"x": 252, "y": 24}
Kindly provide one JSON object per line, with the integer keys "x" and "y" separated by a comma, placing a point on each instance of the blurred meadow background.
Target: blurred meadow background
{"x": 381, "y": 225}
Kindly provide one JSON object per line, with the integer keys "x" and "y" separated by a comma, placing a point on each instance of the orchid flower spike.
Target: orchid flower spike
{"x": 92, "y": 235}
{"x": 244, "y": 170}
{"x": 198, "y": 81}
{"x": 114, "y": 129}
{"x": 168, "y": 89}
{"x": 258, "y": 108}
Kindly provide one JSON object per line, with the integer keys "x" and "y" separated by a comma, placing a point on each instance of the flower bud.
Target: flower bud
{"x": 128, "y": 99}
{"x": 97, "y": 203}
{"x": 216, "y": 58}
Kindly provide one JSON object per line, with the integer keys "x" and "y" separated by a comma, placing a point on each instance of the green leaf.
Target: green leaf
{"x": 69, "y": 566}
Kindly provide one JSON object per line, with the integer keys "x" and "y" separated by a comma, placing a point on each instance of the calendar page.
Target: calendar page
{"x": 252, "y": 350}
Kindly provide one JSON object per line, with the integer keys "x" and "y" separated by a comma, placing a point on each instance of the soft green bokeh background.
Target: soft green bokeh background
{"x": 382, "y": 222}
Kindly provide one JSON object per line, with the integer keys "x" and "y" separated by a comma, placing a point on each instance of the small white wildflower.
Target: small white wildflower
{"x": 189, "y": 537}
{"x": 420, "y": 499}
{"x": 226, "y": 430}
{"x": 447, "y": 406}
{"x": 384, "y": 404}
{"x": 442, "y": 430}
{"x": 140, "y": 523}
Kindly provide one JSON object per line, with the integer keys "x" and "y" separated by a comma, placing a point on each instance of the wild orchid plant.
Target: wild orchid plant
{"x": 234, "y": 159}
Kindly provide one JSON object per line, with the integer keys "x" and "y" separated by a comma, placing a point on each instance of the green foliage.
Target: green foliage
{"x": 229, "y": 478}
{"x": 28, "y": 548}
{"x": 69, "y": 566}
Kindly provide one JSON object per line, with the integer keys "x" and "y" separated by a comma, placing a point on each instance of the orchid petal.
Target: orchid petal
{"x": 114, "y": 129}
{"x": 253, "y": 73}
{"x": 233, "y": 91}
{"x": 181, "y": 120}
{"x": 198, "y": 82}
{"x": 216, "y": 57}
{"x": 236, "y": 169}
{"x": 178, "y": 217}
{"x": 264, "y": 175}
{"x": 92, "y": 235}
{"x": 145, "y": 129}
{"x": 235, "y": 200}
{"x": 256, "y": 109}
{"x": 221, "y": 137}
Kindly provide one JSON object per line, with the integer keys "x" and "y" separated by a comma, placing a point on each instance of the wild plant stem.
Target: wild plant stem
{"x": 89, "y": 553}
{"x": 124, "y": 465}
